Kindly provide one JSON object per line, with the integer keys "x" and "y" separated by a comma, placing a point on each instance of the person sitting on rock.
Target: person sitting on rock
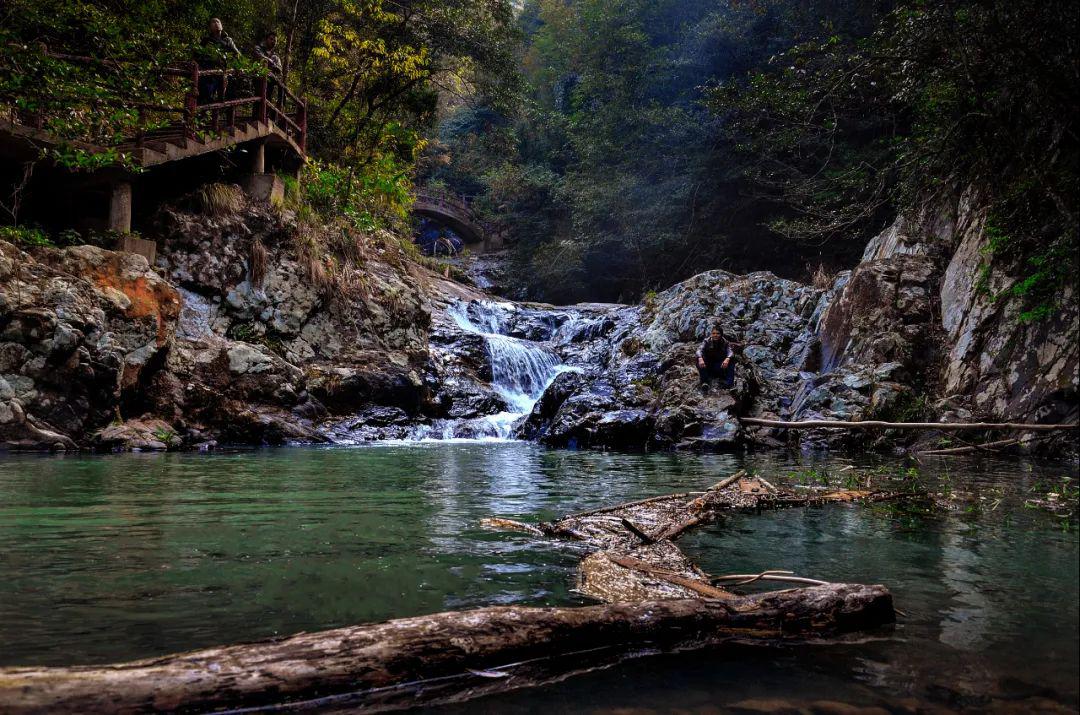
{"x": 714, "y": 360}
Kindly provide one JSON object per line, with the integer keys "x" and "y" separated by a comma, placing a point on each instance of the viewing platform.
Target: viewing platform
{"x": 252, "y": 112}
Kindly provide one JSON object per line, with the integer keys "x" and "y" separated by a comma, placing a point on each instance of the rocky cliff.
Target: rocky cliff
{"x": 243, "y": 334}
{"x": 233, "y": 337}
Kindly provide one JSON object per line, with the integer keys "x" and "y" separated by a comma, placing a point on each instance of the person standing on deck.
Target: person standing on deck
{"x": 266, "y": 51}
{"x": 714, "y": 360}
{"x": 215, "y": 47}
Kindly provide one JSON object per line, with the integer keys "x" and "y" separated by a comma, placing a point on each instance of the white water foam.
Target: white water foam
{"x": 521, "y": 371}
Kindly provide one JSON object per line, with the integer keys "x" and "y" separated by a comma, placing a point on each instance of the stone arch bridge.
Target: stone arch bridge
{"x": 457, "y": 214}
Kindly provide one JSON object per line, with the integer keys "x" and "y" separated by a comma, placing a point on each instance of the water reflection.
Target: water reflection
{"x": 118, "y": 557}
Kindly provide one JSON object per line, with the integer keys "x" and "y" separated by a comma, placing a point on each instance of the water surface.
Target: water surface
{"x": 116, "y": 557}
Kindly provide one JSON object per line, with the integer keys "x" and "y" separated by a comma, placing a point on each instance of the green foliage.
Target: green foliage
{"x": 128, "y": 43}
{"x": 375, "y": 198}
{"x": 164, "y": 435}
{"x": 25, "y": 236}
{"x": 1046, "y": 270}
{"x": 613, "y": 175}
{"x": 941, "y": 97}
{"x": 79, "y": 159}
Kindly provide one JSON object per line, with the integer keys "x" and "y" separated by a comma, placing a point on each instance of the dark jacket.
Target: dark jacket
{"x": 715, "y": 351}
{"x": 214, "y": 50}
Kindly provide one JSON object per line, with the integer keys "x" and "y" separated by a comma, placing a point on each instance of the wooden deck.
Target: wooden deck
{"x": 194, "y": 112}
{"x": 245, "y": 107}
{"x": 161, "y": 145}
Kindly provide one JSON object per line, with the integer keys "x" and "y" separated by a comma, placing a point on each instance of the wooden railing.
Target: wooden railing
{"x": 458, "y": 203}
{"x": 264, "y": 96}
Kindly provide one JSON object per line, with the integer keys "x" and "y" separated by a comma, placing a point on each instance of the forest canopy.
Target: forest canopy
{"x": 659, "y": 139}
{"x": 628, "y": 144}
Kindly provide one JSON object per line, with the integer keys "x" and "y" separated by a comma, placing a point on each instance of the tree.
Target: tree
{"x": 941, "y": 97}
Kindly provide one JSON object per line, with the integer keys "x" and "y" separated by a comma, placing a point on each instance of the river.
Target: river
{"x": 117, "y": 557}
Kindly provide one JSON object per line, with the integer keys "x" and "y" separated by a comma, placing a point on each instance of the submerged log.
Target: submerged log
{"x": 460, "y": 648}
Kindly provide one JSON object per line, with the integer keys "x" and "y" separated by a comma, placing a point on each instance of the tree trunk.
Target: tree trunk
{"x": 394, "y": 663}
{"x": 878, "y": 424}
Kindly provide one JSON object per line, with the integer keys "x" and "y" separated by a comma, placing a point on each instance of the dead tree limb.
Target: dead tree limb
{"x": 969, "y": 448}
{"x": 786, "y": 576}
{"x": 370, "y": 661}
{"x": 636, "y": 558}
{"x": 878, "y": 424}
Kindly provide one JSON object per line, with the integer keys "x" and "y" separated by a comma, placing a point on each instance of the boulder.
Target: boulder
{"x": 140, "y": 435}
{"x": 83, "y": 331}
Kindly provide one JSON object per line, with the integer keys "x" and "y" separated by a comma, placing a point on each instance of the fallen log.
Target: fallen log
{"x": 666, "y": 517}
{"x": 969, "y": 448}
{"x": 879, "y": 424}
{"x": 636, "y": 557}
{"x": 387, "y": 664}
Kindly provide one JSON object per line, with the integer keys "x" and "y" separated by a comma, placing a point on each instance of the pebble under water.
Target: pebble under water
{"x": 109, "y": 558}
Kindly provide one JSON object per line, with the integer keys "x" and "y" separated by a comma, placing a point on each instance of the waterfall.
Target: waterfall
{"x": 521, "y": 370}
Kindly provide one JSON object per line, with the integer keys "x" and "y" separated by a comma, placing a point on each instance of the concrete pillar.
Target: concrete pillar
{"x": 258, "y": 158}
{"x": 265, "y": 187}
{"x": 120, "y": 207}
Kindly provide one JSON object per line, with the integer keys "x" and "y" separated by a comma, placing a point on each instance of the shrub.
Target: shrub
{"x": 25, "y": 236}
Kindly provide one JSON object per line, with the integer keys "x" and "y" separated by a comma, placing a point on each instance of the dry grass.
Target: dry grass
{"x": 820, "y": 278}
{"x": 220, "y": 199}
{"x": 332, "y": 260}
{"x": 257, "y": 260}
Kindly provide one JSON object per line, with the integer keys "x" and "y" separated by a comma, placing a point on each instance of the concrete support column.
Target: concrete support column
{"x": 258, "y": 158}
{"x": 120, "y": 207}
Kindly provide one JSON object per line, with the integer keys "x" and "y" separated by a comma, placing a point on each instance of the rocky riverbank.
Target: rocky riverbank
{"x": 239, "y": 336}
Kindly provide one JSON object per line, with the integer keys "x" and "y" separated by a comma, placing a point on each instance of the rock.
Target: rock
{"x": 537, "y": 422}
{"x": 149, "y": 435}
{"x": 206, "y": 348}
{"x": 348, "y": 389}
{"x": 84, "y": 330}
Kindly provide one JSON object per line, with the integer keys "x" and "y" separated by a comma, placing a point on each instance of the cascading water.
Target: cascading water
{"x": 521, "y": 370}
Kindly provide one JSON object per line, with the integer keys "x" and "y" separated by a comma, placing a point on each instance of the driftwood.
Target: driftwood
{"x": 878, "y": 424}
{"x": 451, "y": 655}
{"x": 969, "y": 448}
{"x": 636, "y": 557}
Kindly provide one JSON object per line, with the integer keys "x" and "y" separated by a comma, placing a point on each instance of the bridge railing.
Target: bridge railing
{"x": 461, "y": 206}
{"x": 447, "y": 200}
{"x": 245, "y": 96}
